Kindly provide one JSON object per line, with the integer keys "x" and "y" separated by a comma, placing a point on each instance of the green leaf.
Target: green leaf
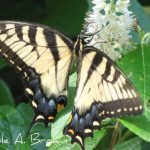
{"x": 5, "y": 94}
{"x": 139, "y": 125}
{"x": 91, "y": 143}
{"x": 132, "y": 65}
{"x": 72, "y": 80}
{"x": 11, "y": 124}
{"x": 26, "y": 112}
{"x": 58, "y": 126}
{"x": 14, "y": 124}
{"x": 106, "y": 140}
{"x": 134, "y": 143}
{"x": 64, "y": 142}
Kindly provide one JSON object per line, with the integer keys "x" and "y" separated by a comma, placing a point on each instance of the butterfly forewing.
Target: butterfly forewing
{"x": 43, "y": 57}
{"x": 102, "y": 91}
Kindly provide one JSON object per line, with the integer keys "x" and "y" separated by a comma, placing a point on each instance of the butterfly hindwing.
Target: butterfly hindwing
{"x": 102, "y": 91}
{"x": 43, "y": 57}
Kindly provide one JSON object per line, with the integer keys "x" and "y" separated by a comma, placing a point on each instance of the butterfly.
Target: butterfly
{"x": 43, "y": 57}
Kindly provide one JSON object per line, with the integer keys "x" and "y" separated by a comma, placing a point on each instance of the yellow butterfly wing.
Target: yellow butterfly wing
{"x": 43, "y": 57}
{"x": 102, "y": 91}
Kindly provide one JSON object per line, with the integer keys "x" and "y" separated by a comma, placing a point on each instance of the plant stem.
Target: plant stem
{"x": 125, "y": 136}
{"x": 141, "y": 33}
{"x": 112, "y": 5}
{"x": 144, "y": 83}
{"x": 114, "y": 135}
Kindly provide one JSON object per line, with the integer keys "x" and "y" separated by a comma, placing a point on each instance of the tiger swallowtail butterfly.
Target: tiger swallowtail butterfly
{"x": 43, "y": 57}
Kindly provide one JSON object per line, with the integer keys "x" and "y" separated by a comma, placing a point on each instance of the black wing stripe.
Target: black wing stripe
{"x": 116, "y": 76}
{"x": 66, "y": 42}
{"x": 120, "y": 103}
{"x": 13, "y": 58}
{"x": 51, "y": 40}
{"x": 54, "y": 50}
{"x": 130, "y": 105}
{"x": 107, "y": 70}
{"x": 14, "y": 46}
{"x": 32, "y": 34}
{"x": 19, "y": 33}
{"x": 3, "y": 48}
{"x": 112, "y": 98}
{"x": 96, "y": 61}
{"x": 2, "y": 28}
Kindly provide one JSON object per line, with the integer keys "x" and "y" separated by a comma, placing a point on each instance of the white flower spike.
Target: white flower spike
{"x": 108, "y": 27}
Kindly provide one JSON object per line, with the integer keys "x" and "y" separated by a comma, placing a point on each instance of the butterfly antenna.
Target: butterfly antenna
{"x": 31, "y": 125}
{"x": 90, "y": 35}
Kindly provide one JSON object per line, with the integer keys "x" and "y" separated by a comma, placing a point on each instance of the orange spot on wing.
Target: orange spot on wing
{"x": 60, "y": 107}
{"x": 50, "y": 118}
{"x": 71, "y": 131}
